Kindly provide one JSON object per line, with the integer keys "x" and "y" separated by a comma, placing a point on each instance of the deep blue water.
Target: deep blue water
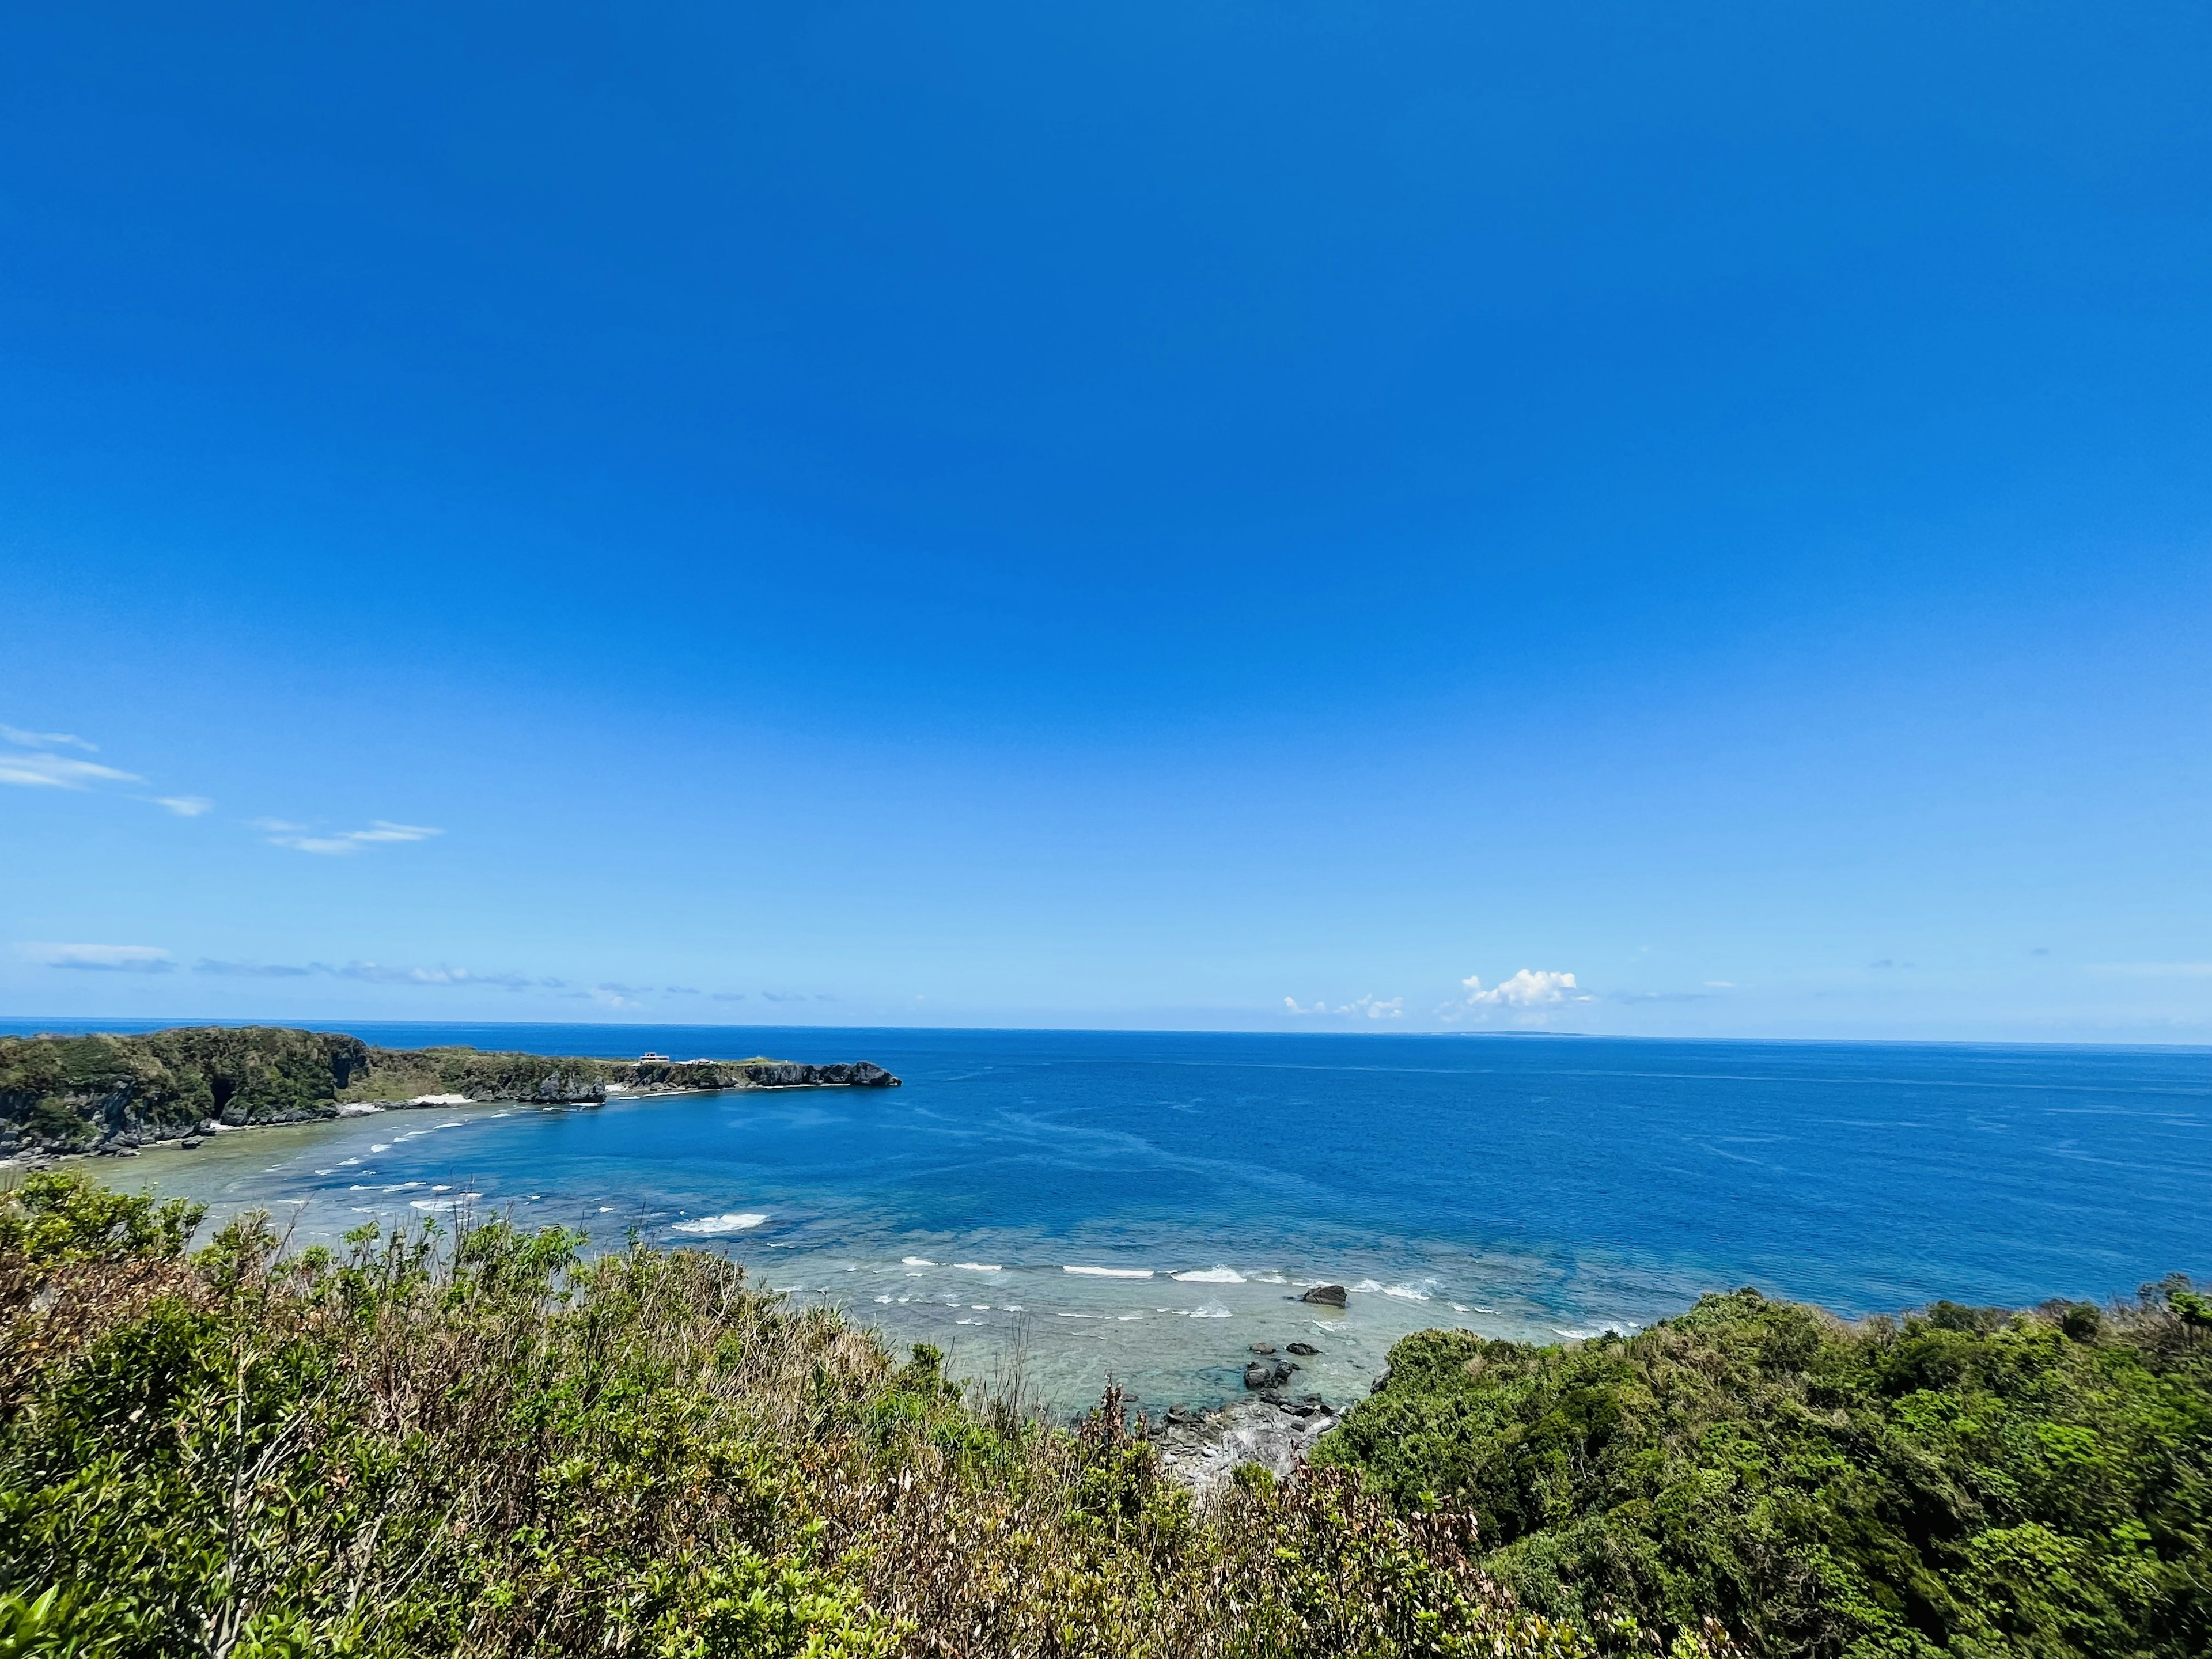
{"x": 1520, "y": 1185}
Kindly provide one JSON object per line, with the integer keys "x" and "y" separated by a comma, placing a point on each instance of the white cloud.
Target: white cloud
{"x": 285, "y": 834}
{"x": 1531, "y": 987}
{"x": 101, "y": 959}
{"x": 35, "y": 771}
{"x": 185, "y": 806}
{"x": 1530, "y": 995}
{"x": 1720, "y": 985}
{"x": 21, "y": 738}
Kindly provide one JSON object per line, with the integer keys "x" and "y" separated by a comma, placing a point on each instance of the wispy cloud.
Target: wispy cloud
{"x": 377, "y": 973}
{"x": 36, "y": 770}
{"x": 283, "y": 833}
{"x": 185, "y": 806}
{"x": 1720, "y": 985}
{"x": 101, "y": 959}
{"x": 23, "y": 739}
{"x": 1366, "y": 1007}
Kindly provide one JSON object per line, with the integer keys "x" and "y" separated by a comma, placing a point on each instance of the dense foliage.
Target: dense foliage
{"x": 70, "y": 1092}
{"x": 489, "y": 1445}
{"x": 1967, "y": 1482}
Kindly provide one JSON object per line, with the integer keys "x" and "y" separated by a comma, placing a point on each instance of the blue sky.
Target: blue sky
{"x": 1283, "y": 516}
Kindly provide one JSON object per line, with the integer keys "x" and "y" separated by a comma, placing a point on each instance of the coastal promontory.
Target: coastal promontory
{"x": 102, "y": 1092}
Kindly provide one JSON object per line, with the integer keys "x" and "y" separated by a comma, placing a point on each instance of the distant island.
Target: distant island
{"x": 62, "y": 1095}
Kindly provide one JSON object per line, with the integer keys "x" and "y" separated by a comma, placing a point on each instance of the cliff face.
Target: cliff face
{"x": 78, "y": 1094}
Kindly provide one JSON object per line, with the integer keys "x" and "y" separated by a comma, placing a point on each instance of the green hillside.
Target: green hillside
{"x": 1967, "y": 1482}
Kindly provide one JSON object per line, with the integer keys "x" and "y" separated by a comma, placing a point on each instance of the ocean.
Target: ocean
{"x": 1056, "y": 1208}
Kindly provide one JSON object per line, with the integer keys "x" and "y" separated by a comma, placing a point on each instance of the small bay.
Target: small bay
{"x": 1062, "y": 1206}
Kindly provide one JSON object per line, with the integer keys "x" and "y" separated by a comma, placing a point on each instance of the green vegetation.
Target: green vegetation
{"x": 71, "y": 1094}
{"x": 1967, "y": 1482}
{"x": 489, "y": 1445}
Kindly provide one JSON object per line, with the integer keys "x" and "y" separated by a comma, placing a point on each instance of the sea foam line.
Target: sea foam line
{"x": 735, "y": 1222}
{"x": 1109, "y": 1272}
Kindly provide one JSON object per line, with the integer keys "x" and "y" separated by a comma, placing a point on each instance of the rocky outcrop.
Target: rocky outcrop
{"x": 1268, "y": 1373}
{"x": 1327, "y": 1295}
{"x": 1201, "y": 1450}
{"x": 790, "y": 1074}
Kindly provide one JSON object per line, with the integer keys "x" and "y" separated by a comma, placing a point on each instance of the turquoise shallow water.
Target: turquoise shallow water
{"x": 1520, "y": 1186}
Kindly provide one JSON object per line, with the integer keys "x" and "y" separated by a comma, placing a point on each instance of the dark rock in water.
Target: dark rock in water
{"x": 1259, "y": 1375}
{"x": 190, "y": 1141}
{"x": 1327, "y": 1295}
{"x": 1263, "y": 1348}
{"x": 1303, "y": 1349}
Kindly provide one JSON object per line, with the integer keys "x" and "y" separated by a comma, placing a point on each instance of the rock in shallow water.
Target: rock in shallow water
{"x": 1327, "y": 1295}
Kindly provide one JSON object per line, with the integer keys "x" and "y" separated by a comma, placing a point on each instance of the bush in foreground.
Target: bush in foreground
{"x": 1966, "y": 1482}
{"x": 491, "y": 1445}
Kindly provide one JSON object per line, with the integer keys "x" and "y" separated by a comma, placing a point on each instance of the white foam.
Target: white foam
{"x": 1405, "y": 1293}
{"x": 1209, "y": 1276}
{"x": 973, "y": 1307}
{"x": 979, "y": 1266}
{"x": 883, "y": 1298}
{"x": 735, "y": 1222}
{"x": 1368, "y": 1286}
{"x": 1009, "y": 1307}
{"x": 1109, "y": 1272}
{"x": 381, "y": 1146}
{"x": 457, "y": 1123}
{"x": 1269, "y": 1279}
{"x": 915, "y": 1261}
{"x": 441, "y": 1100}
{"x": 1211, "y": 1310}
